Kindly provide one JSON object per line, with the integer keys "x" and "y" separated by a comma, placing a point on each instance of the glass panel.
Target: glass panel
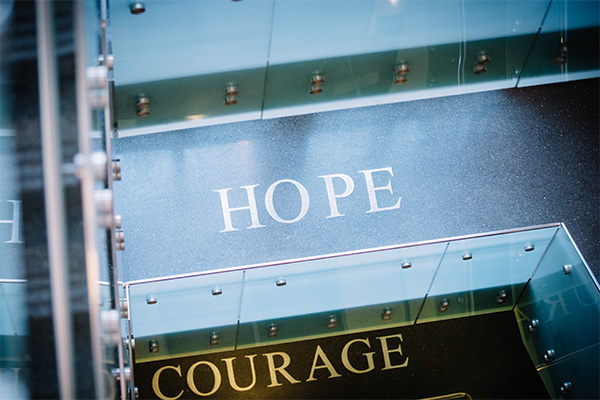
{"x": 190, "y": 308}
{"x": 269, "y": 51}
{"x": 566, "y": 48}
{"x": 563, "y": 301}
{"x": 181, "y": 54}
{"x": 485, "y": 274}
{"x": 336, "y": 294}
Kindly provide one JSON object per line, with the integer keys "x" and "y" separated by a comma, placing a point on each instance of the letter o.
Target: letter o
{"x": 192, "y": 384}
{"x": 305, "y": 200}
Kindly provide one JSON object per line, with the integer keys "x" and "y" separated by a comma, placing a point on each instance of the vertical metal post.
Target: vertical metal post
{"x": 90, "y": 225}
{"x": 54, "y": 201}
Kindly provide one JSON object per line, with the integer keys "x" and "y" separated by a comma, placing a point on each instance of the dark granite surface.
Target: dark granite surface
{"x": 461, "y": 165}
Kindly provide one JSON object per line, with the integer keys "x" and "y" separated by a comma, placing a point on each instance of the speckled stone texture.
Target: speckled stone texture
{"x": 461, "y": 164}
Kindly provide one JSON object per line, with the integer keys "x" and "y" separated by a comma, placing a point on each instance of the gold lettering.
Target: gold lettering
{"x": 156, "y": 383}
{"x": 281, "y": 369}
{"x": 192, "y": 384}
{"x": 346, "y": 361}
{"x": 231, "y": 374}
{"x": 386, "y": 352}
{"x": 319, "y": 353}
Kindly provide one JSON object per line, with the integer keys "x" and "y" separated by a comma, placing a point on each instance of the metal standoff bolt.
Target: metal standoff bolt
{"x": 98, "y": 161}
{"x": 137, "y": 8}
{"x": 120, "y": 239}
{"x": 280, "y": 282}
{"x": 316, "y": 83}
{"x": 231, "y": 94}
{"x": 151, "y": 300}
{"x": 568, "y": 268}
{"x": 153, "y": 346}
{"x": 116, "y": 372}
{"x": 479, "y": 69}
{"x": 111, "y": 320}
{"x": 399, "y": 79}
{"x": 97, "y": 86}
{"x": 124, "y": 307}
{"x": 142, "y": 105}
{"x": 214, "y": 338}
{"x": 561, "y": 54}
{"x": 566, "y": 388}
{"x": 116, "y": 170}
{"x": 549, "y": 356}
{"x": 387, "y": 314}
{"x": 401, "y": 70}
{"x": 483, "y": 57}
{"x": 529, "y": 247}
{"x": 467, "y": 256}
{"x": 110, "y": 64}
{"x": 406, "y": 264}
{"x": 444, "y": 305}
{"x": 533, "y": 325}
{"x": 216, "y": 291}
{"x": 104, "y": 206}
{"x": 331, "y": 322}
{"x": 118, "y": 221}
{"x": 502, "y": 296}
{"x": 272, "y": 330}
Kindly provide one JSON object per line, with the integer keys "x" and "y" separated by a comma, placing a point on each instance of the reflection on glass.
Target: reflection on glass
{"x": 559, "y": 317}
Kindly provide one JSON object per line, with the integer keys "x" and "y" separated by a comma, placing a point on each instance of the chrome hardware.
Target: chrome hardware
{"x": 566, "y": 388}
{"x": 406, "y": 264}
{"x": 467, "y": 256}
{"x": 97, "y": 86}
{"x": 502, "y": 296}
{"x": 401, "y": 70}
{"x": 137, "y": 8}
{"x": 124, "y": 307}
{"x": 118, "y": 221}
{"x": 568, "y": 268}
{"x": 529, "y": 247}
{"x": 533, "y": 325}
{"x": 549, "y": 356}
{"x": 216, "y": 291}
{"x": 116, "y": 372}
{"x": 479, "y": 69}
{"x": 98, "y": 161}
{"x": 331, "y": 322}
{"x": 280, "y": 282}
{"x": 214, "y": 338}
{"x": 231, "y": 94}
{"x": 116, "y": 170}
{"x": 272, "y": 330}
{"x": 153, "y": 346}
{"x": 444, "y": 305}
{"x": 104, "y": 206}
{"x": 387, "y": 314}
{"x": 142, "y": 105}
{"x": 151, "y": 300}
{"x": 120, "y": 239}
{"x": 110, "y": 64}
{"x": 561, "y": 54}
{"x": 483, "y": 58}
{"x": 316, "y": 83}
{"x": 111, "y": 320}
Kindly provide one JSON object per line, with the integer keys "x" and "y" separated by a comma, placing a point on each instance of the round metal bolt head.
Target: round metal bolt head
{"x": 549, "y": 356}
{"x": 153, "y": 346}
{"x": 387, "y": 314}
{"x": 137, "y": 8}
{"x": 331, "y": 322}
{"x": 216, "y": 291}
{"x": 231, "y": 100}
{"x": 406, "y": 264}
{"x": 529, "y": 247}
{"x": 533, "y": 325}
{"x": 467, "y": 256}
{"x": 280, "y": 282}
{"x": 315, "y": 89}
{"x": 566, "y": 388}
{"x": 272, "y": 330}
{"x": 568, "y": 268}
{"x": 479, "y": 69}
{"x": 402, "y": 68}
{"x": 399, "y": 79}
{"x": 317, "y": 79}
{"x": 151, "y": 300}
{"x": 483, "y": 58}
{"x": 214, "y": 338}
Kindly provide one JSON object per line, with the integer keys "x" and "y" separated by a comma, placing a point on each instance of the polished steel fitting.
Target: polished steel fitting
{"x": 444, "y": 305}
{"x": 567, "y": 268}
{"x": 529, "y": 247}
{"x": 272, "y": 330}
{"x": 231, "y": 94}
{"x": 502, "y": 296}
{"x": 151, "y": 300}
{"x": 467, "y": 256}
{"x": 137, "y": 8}
{"x": 549, "y": 356}
{"x": 387, "y": 314}
{"x": 280, "y": 282}
{"x": 406, "y": 264}
{"x": 214, "y": 338}
{"x": 316, "y": 83}
{"x": 533, "y": 325}
{"x": 120, "y": 239}
{"x": 331, "y": 322}
{"x": 216, "y": 291}
{"x": 142, "y": 105}
{"x": 153, "y": 346}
